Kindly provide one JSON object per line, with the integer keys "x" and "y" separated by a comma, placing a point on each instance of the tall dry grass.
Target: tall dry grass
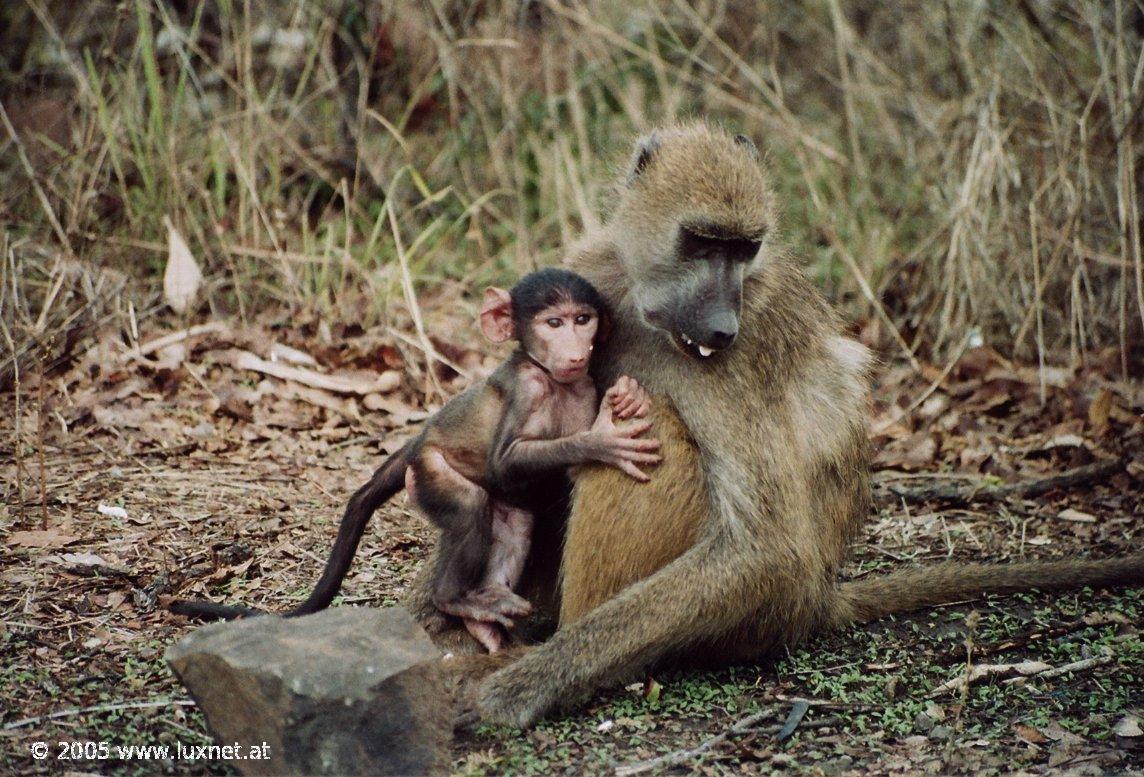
{"x": 950, "y": 170}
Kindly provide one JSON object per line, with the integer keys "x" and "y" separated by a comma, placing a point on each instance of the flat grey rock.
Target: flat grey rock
{"x": 350, "y": 690}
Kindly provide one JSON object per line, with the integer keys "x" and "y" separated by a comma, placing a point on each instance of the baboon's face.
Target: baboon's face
{"x": 692, "y": 221}
{"x": 695, "y": 292}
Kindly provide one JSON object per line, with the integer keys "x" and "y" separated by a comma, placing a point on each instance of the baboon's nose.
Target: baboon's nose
{"x": 721, "y": 339}
{"x": 721, "y": 330}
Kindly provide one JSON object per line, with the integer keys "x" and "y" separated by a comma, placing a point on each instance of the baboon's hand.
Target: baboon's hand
{"x": 621, "y": 446}
{"x": 628, "y": 398}
{"x": 513, "y": 696}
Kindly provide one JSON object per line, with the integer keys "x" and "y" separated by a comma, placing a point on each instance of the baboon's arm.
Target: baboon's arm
{"x": 697, "y": 596}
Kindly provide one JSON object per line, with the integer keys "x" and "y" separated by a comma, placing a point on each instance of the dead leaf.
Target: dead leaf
{"x": 43, "y": 538}
{"x": 1058, "y": 733}
{"x": 1129, "y": 726}
{"x": 284, "y": 353}
{"x": 112, "y": 511}
{"x": 1070, "y": 514}
{"x": 358, "y": 382}
{"x": 1057, "y": 377}
{"x": 975, "y": 362}
{"x": 116, "y": 417}
{"x": 1098, "y": 412}
{"x": 919, "y": 452}
{"x": 225, "y": 573}
{"x": 171, "y": 357}
{"x": 1029, "y": 734}
{"x": 1065, "y": 441}
{"x": 80, "y": 560}
{"x": 934, "y": 406}
{"x": 182, "y": 277}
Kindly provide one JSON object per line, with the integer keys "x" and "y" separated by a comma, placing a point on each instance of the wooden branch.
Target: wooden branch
{"x": 1019, "y": 673}
{"x": 1017, "y": 642}
{"x": 962, "y": 494}
{"x": 131, "y": 705}
{"x": 743, "y": 726}
{"x": 682, "y": 756}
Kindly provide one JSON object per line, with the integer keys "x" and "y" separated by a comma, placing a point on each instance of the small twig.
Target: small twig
{"x": 1023, "y": 671}
{"x": 971, "y": 623}
{"x": 131, "y": 705}
{"x": 1017, "y": 643}
{"x": 744, "y": 726}
{"x": 40, "y": 441}
{"x": 1076, "y": 666}
{"x": 825, "y": 703}
{"x": 159, "y": 343}
{"x": 958, "y": 494}
{"x": 868, "y": 293}
{"x": 681, "y": 756}
{"x": 466, "y": 374}
{"x": 988, "y": 671}
{"x": 921, "y": 398}
{"x": 379, "y": 383}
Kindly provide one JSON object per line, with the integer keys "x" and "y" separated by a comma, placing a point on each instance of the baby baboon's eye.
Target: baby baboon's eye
{"x": 583, "y": 318}
{"x": 554, "y": 323}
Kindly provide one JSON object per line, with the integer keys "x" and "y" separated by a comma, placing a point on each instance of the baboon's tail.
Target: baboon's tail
{"x": 386, "y": 481}
{"x": 910, "y": 589}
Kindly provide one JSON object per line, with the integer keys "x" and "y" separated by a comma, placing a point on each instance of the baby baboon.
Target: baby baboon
{"x": 493, "y": 456}
{"x": 732, "y": 550}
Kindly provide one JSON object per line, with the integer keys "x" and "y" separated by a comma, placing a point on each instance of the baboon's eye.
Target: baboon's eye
{"x": 710, "y": 241}
{"x": 555, "y": 323}
{"x": 743, "y": 250}
{"x": 583, "y": 318}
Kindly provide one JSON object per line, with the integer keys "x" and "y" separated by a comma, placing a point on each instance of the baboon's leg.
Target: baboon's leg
{"x": 705, "y": 594}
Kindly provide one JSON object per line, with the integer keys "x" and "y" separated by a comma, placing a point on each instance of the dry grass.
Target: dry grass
{"x": 960, "y": 167}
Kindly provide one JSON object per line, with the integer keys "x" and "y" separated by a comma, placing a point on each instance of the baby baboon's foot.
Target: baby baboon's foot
{"x": 493, "y": 604}
{"x": 488, "y": 634}
{"x": 501, "y": 599}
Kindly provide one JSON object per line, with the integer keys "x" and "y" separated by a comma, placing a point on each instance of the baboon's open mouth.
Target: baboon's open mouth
{"x": 691, "y": 348}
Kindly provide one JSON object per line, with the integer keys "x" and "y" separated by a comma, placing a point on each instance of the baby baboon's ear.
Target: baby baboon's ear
{"x": 496, "y": 315}
{"x": 645, "y": 150}
{"x": 749, "y": 144}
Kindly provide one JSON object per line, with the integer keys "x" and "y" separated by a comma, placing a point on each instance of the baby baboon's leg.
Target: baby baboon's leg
{"x": 462, "y": 510}
{"x": 512, "y": 536}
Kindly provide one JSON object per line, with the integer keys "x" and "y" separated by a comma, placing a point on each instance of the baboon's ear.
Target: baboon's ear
{"x": 749, "y": 144}
{"x": 645, "y": 150}
{"x": 496, "y": 315}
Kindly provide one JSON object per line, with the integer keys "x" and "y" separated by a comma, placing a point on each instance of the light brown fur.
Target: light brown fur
{"x": 589, "y": 576}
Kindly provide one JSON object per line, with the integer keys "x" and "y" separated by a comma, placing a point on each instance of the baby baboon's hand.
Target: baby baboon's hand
{"x": 627, "y": 398}
{"x": 622, "y": 446}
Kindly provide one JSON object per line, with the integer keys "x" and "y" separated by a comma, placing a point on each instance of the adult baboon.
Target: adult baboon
{"x": 732, "y": 550}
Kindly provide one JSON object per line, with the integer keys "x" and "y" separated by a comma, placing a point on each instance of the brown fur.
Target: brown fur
{"x": 734, "y": 547}
{"x": 590, "y": 577}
